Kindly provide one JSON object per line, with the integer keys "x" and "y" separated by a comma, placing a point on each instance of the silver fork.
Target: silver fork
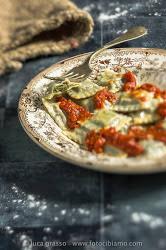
{"x": 81, "y": 72}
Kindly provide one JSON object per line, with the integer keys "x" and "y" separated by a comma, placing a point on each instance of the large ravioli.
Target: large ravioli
{"x": 130, "y": 103}
{"x": 56, "y": 113}
{"x": 101, "y": 119}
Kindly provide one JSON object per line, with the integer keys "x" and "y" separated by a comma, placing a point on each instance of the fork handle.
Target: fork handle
{"x": 131, "y": 34}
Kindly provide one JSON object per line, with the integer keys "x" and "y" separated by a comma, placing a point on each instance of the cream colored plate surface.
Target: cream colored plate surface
{"x": 44, "y": 131}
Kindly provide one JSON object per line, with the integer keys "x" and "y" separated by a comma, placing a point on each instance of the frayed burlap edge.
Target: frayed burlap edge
{"x": 11, "y": 60}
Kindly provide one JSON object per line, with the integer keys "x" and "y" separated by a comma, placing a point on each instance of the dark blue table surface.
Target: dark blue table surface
{"x": 43, "y": 198}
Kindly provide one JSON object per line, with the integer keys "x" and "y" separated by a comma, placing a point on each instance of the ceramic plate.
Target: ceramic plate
{"x": 43, "y": 130}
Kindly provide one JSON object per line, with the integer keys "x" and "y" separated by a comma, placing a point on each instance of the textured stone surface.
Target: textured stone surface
{"x": 45, "y": 198}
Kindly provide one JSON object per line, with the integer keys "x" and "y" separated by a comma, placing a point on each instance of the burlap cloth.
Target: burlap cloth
{"x": 31, "y": 28}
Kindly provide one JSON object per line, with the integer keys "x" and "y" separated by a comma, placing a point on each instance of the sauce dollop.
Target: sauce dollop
{"x": 95, "y": 141}
{"x": 161, "y": 110}
{"x": 74, "y": 112}
{"x": 152, "y": 88}
{"x": 129, "y": 79}
{"x": 128, "y": 143}
{"x": 156, "y": 132}
{"x": 101, "y": 96}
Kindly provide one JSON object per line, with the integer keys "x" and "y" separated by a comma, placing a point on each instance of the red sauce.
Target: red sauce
{"x": 159, "y": 125}
{"x": 95, "y": 141}
{"x": 161, "y": 110}
{"x": 74, "y": 112}
{"x": 138, "y": 133}
{"x": 151, "y": 88}
{"x": 129, "y": 81}
{"x": 103, "y": 95}
{"x": 129, "y": 77}
{"x": 129, "y": 86}
{"x": 129, "y": 143}
{"x": 155, "y": 132}
{"x": 163, "y": 94}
